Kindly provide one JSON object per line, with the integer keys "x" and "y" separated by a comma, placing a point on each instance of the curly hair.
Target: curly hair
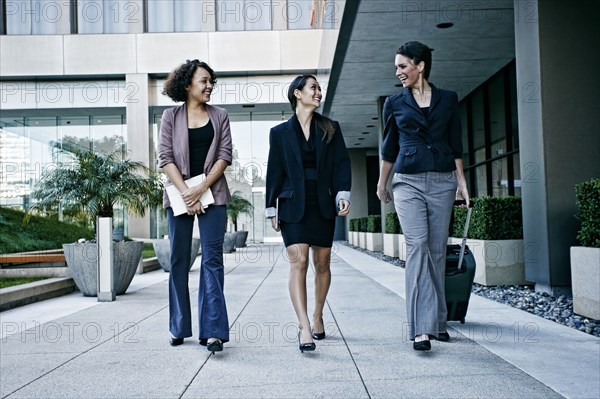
{"x": 181, "y": 77}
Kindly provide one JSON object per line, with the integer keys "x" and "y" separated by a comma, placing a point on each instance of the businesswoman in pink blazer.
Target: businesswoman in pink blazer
{"x": 195, "y": 138}
{"x": 309, "y": 177}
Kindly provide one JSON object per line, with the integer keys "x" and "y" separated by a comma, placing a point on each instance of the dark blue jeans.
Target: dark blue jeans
{"x": 212, "y": 311}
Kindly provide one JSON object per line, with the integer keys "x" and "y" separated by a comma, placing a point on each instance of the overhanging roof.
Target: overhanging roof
{"x": 480, "y": 42}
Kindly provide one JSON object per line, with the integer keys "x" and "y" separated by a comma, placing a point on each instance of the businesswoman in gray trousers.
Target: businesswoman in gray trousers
{"x": 195, "y": 138}
{"x": 422, "y": 144}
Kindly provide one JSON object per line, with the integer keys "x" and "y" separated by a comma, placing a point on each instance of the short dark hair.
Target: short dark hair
{"x": 181, "y": 77}
{"x": 417, "y": 52}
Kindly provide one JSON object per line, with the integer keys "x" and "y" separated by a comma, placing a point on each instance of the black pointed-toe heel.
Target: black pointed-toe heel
{"x": 176, "y": 341}
{"x": 308, "y": 347}
{"x": 443, "y": 337}
{"x": 424, "y": 345}
{"x": 215, "y": 346}
{"x": 321, "y": 335}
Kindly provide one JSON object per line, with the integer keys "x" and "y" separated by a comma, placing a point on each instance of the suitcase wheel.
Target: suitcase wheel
{"x": 462, "y": 321}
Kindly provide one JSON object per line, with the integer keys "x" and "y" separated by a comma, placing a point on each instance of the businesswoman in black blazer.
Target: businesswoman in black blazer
{"x": 422, "y": 144}
{"x": 308, "y": 176}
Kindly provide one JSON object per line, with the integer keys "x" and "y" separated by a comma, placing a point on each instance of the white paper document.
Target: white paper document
{"x": 177, "y": 202}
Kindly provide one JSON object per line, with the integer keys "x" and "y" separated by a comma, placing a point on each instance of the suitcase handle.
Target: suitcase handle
{"x": 465, "y": 231}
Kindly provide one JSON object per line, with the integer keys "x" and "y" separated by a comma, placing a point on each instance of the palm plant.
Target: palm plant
{"x": 94, "y": 183}
{"x": 238, "y": 206}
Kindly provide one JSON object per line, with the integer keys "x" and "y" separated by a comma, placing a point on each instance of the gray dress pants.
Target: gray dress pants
{"x": 424, "y": 202}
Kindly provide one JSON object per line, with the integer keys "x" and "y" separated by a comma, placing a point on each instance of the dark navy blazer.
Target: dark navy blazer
{"x": 415, "y": 143}
{"x": 285, "y": 173}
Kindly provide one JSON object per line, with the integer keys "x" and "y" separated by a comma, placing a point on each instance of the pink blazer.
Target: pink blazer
{"x": 174, "y": 147}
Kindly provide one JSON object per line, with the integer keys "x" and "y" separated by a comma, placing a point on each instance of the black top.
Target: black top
{"x": 308, "y": 148}
{"x": 200, "y": 140}
{"x": 425, "y": 111}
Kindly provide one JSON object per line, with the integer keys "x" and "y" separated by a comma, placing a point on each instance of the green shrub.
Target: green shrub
{"x": 392, "y": 224}
{"x": 588, "y": 204}
{"x": 374, "y": 224}
{"x": 353, "y": 225}
{"x": 493, "y": 218}
{"x": 40, "y": 233}
{"x": 362, "y": 225}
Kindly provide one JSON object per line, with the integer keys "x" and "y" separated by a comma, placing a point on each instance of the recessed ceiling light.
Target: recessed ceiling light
{"x": 445, "y": 25}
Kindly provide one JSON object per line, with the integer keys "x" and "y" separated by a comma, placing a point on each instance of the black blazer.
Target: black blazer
{"x": 415, "y": 143}
{"x": 285, "y": 173}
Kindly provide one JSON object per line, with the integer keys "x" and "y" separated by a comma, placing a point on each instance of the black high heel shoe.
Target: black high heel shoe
{"x": 215, "y": 346}
{"x": 424, "y": 345}
{"x": 175, "y": 341}
{"x": 309, "y": 347}
{"x": 321, "y": 335}
{"x": 443, "y": 337}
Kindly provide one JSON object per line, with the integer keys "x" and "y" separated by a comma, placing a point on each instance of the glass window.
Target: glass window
{"x": 230, "y": 15}
{"x": 299, "y": 14}
{"x": 257, "y": 15}
{"x": 33, "y": 17}
{"x": 188, "y": 15}
{"x": 29, "y": 145}
{"x": 106, "y": 16}
{"x": 160, "y": 16}
{"x": 176, "y": 16}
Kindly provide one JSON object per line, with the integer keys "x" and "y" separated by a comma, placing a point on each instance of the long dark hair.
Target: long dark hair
{"x": 323, "y": 123}
{"x": 181, "y": 77}
{"x": 417, "y": 52}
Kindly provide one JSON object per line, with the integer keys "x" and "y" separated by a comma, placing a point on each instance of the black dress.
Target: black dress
{"x": 313, "y": 229}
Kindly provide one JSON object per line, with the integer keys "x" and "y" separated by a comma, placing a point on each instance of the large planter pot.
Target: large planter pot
{"x": 390, "y": 245}
{"x": 401, "y": 247}
{"x": 82, "y": 262}
{"x": 240, "y": 239}
{"x": 374, "y": 241}
{"x": 498, "y": 262}
{"x": 353, "y": 238}
{"x": 362, "y": 240}
{"x": 585, "y": 280}
{"x": 162, "y": 248}
{"x": 229, "y": 242}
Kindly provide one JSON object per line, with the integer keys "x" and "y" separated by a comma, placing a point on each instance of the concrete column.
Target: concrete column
{"x": 389, "y": 207}
{"x": 559, "y": 122}
{"x": 139, "y": 139}
{"x": 360, "y": 204}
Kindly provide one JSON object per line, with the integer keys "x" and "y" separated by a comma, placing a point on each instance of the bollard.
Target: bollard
{"x": 106, "y": 291}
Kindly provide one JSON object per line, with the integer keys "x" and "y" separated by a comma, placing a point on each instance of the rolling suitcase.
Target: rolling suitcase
{"x": 460, "y": 272}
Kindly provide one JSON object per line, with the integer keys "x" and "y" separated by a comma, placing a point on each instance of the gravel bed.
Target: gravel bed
{"x": 557, "y": 309}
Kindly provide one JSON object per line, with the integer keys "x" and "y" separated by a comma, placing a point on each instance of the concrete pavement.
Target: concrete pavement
{"x": 74, "y": 346}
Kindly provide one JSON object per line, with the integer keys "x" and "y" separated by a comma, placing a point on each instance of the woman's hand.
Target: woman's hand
{"x": 344, "y": 207}
{"x": 383, "y": 194}
{"x": 462, "y": 193}
{"x": 275, "y": 225}
{"x": 195, "y": 209}
{"x": 192, "y": 195}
